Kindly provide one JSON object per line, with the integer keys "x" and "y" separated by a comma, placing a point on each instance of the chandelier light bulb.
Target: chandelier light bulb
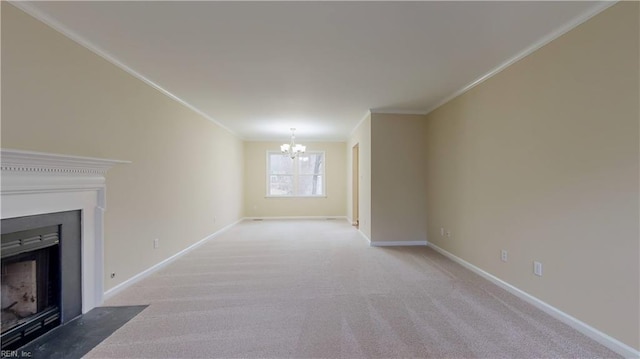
{"x": 292, "y": 149}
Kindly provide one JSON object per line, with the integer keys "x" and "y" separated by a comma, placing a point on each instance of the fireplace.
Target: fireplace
{"x": 40, "y": 275}
{"x": 52, "y": 240}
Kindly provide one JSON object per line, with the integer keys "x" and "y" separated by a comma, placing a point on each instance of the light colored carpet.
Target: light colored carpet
{"x": 315, "y": 289}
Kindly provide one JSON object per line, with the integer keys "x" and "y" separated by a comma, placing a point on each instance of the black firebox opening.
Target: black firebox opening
{"x": 40, "y": 283}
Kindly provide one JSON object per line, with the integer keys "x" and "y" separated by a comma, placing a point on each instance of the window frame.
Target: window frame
{"x": 296, "y": 175}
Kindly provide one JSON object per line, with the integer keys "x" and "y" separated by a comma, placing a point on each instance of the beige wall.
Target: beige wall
{"x": 542, "y": 160}
{"x": 398, "y": 175}
{"x": 258, "y": 205}
{"x": 59, "y": 97}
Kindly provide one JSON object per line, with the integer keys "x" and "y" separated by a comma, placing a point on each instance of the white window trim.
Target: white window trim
{"x": 268, "y": 174}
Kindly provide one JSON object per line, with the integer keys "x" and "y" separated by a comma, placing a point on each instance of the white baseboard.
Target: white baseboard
{"x": 293, "y": 217}
{"x": 397, "y": 243}
{"x": 364, "y": 236}
{"x": 136, "y": 278}
{"x": 593, "y": 333}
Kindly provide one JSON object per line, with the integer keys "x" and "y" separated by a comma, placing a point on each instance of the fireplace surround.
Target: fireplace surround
{"x": 36, "y": 184}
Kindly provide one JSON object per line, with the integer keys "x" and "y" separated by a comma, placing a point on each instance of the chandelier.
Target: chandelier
{"x": 291, "y": 149}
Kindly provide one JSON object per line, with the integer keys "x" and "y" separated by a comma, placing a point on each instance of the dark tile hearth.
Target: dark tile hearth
{"x": 79, "y": 336}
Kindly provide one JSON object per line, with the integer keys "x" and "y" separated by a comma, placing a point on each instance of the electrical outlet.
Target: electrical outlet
{"x": 537, "y": 268}
{"x": 503, "y": 255}
{"x": 156, "y": 243}
{"x": 448, "y": 233}
{"x": 441, "y": 231}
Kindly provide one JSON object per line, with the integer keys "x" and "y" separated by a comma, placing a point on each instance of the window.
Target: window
{"x": 302, "y": 176}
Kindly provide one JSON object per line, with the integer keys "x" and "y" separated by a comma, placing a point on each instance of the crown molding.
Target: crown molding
{"x": 28, "y": 8}
{"x": 398, "y": 112}
{"x": 48, "y": 20}
{"x": 305, "y": 140}
{"x": 601, "y": 6}
{"x": 364, "y": 118}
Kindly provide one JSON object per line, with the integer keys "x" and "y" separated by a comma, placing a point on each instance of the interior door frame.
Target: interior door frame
{"x": 355, "y": 182}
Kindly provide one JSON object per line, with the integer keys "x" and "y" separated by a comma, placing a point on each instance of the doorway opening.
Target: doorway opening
{"x": 355, "y": 181}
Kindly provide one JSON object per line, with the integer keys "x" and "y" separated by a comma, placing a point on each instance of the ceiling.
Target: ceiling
{"x": 259, "y": 68}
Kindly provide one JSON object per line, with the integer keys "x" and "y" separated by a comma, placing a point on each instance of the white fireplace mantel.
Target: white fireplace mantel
{"x": 38, "y": 183}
